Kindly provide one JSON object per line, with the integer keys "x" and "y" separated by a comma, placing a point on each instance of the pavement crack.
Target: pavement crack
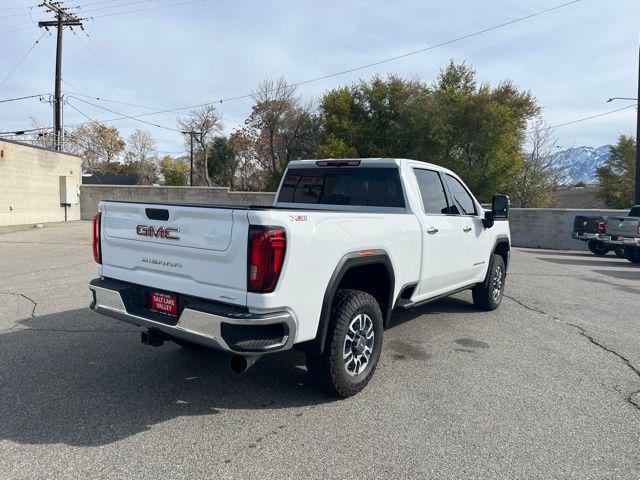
{"x": 630, "y": 398}
{"x": 33, "y": 302}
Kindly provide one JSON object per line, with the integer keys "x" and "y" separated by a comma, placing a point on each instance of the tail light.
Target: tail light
{"x": 267, "y": 246}
{"x": 601, "y": 226}
{"x": 95, "y": 239}
{"x": 638, "y": 229}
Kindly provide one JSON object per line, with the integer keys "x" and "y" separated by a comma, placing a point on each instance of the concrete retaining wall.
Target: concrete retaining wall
{"x": 530, "y": 227}
{"x": 549, "y": 227}
{"x": 90, "y": 196}
{"x": 31, "y": 181}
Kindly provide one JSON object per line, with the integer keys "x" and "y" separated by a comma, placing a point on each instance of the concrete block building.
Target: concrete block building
{"x": 38, "y": 185}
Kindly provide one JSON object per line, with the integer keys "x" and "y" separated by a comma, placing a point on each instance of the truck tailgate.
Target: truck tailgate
{"x": 586, "y": 224}
{"x": 623, "y": 226}
{"x": 199, "y": 251}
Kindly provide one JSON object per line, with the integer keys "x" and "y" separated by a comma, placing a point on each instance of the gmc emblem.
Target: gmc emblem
{"x": 167, "y": 233}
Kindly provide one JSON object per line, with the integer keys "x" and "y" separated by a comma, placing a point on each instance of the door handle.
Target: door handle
{"x": 466, "y": 229}
{"x": 432, "y": 230}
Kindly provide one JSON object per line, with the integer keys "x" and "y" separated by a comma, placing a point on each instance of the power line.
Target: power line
{"x": 126, "y": 83}
{"x": 390, "y": 59}
{"x": 22, "y": 59}
{"x": 81, "y": 113}
{"x": 362, "y": 67}
{"x": 137, "y": 2}
{"x": 40, "y": 95}
{"x": 149, "y": 8}
{"x": 80, "y": 6}
{"x": 16, "y": 30}
{"x": 126, "y": 116}
{"x": 101, "y": 78}
{"x": 93, "y": 97}
{"x": 590, "y": 117}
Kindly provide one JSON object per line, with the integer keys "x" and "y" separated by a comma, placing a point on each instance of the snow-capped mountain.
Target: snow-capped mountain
{"x": 579, "y": 164}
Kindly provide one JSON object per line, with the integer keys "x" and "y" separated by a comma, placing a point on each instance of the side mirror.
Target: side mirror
{"x": 487, "y": 221}
{"x": 500, "y": 207}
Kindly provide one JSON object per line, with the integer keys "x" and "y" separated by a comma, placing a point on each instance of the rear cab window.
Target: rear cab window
{"x": 353, "y": 186}
{"x": 434, "y": 199}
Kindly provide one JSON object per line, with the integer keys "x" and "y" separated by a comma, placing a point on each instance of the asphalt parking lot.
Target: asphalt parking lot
{"x": 545, "y": 387}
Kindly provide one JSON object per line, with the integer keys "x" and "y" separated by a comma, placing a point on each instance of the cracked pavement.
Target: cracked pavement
{"x": 544, "y": 387}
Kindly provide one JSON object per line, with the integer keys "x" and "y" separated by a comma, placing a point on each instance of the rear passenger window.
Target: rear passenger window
{"x": 434, "y": 199}
{"x": 462, "y": 202}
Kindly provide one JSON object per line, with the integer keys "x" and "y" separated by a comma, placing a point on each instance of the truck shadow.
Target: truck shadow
{"x": 77, "y": 379}
{"x": 621, "y": 274}
{"x": 593, "y": 261}
{"x": 452, "y": 304}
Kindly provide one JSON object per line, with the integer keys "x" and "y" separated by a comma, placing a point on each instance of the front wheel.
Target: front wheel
{"x": 353, "y": 345}
{"x": 598, "y": 248}
{"x": 619, "y": 251}
{"x": 632, "y": 254}
{"x": 488, "y": 295}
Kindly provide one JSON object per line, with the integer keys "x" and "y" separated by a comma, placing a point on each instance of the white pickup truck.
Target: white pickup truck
{"x": 346, "y": 243}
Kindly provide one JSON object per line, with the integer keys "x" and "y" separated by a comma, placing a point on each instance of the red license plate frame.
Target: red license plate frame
{"x": 165, "y": 303}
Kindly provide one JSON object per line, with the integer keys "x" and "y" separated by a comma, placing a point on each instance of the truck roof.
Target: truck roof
{"x": 379, "y": 161}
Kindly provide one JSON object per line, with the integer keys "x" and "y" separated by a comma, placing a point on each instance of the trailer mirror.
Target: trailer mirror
{"x": 500, "y": 207}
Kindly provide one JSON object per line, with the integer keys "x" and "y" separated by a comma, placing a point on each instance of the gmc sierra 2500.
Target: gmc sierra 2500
{"x": 345, "y": 243}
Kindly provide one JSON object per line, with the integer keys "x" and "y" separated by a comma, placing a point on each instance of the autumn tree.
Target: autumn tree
{"x": 174, "y": 171}
{"x": 536, "y": 180}
{"x": 280, "y": 128}
{"x": 99, "y": 145}
{"x": 140, "y": 157}
{"x": 222, "y": 161}
{"x": 204, "y": 123}
{"x": 474, "y": 129}
{"x": 617, "y": 175}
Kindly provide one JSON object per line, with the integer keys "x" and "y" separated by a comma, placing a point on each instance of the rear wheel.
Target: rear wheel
{"x": 632, "y": 254}
{"x": 488, "y": 295}
{"x": 619, "y": 251}
{"x": 353, "y": 346}
{"x": 598, "y": 248}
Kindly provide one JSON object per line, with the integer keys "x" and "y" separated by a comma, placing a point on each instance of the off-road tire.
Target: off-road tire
{"x": 619, "y": 251}
{"x": 598, "y": 248}
{"x": 484, "y": 296}
{"x": 328, "y": 369}
{"x": 632, "y": 254}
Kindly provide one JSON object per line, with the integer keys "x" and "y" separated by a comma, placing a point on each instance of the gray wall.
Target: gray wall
{"x": 550, "y": 227}
{"x": 530, "y": 227}
{"x": 90, "y": 196}
{"x": 30, "y": 184}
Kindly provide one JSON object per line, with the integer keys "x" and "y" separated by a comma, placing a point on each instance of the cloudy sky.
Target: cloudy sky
{"x": 148, "y": 58}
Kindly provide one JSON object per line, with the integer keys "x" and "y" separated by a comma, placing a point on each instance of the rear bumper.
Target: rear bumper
{"x": 212, "y": 324}
{"x": 585, "y": 236}
{"x": 619, "y": 240}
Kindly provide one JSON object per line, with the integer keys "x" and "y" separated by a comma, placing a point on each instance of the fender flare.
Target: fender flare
{"x": 500, "y": 239}
{"x": 350, "y": 260}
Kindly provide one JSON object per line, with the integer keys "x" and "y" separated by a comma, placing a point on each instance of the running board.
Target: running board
{"x": 407, "y": 304}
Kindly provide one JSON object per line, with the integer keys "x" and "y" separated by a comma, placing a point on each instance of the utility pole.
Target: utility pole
{"x": 637, "y": 199}
{"x": 191, "y": 134}
{"x": 63, "y": 19}
{"x": 191, "y": 156}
